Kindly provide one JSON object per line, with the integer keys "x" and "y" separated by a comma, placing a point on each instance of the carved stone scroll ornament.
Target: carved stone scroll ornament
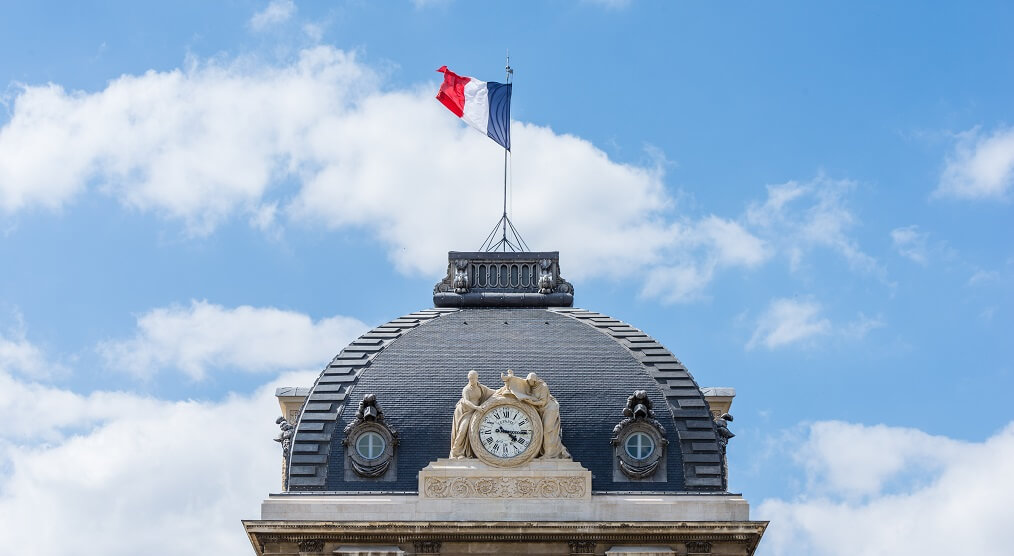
{"x": 724, "y": 434}
{"x": 456, "y": 280}
{"x": 460, "y": 282}
{"x": 639, "y": 407}
{"x": 546, "y": 281}
{"x": 505, "y": 487}
{"x": 550, "y": 281}
{"x": 285, "y": 439}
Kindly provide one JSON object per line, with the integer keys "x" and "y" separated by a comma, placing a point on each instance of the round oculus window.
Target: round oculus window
{"x": 370, "y": 445}
{"x": 639, "y": 445}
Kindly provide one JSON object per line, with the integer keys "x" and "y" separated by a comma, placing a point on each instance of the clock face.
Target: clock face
{"x": 506, "y": 431}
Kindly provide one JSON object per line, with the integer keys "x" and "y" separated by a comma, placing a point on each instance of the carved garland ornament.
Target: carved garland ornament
{"x": 505, "y": 487}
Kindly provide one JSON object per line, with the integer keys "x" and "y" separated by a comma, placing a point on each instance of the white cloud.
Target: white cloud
{"x": 18, "y": 355}
{"x": 277, "y": 11}
{"x": 321, "y": 142}
{"x": 889, "y": 490}
{"x": 859, "y": 328}
{"x": 980, "y": 277}
{"x": 203, "y": 336}
{"x": 793, "y": 321}
{"x": 182, "y": 472}
{"x": 980, "y": 167}
{"x": 911, "y": 243}
{"x": 799, "y": 217}
{"x": 699, "y": 249}
{"x": 788, "y": 321}
{"x": 314, "y": 31}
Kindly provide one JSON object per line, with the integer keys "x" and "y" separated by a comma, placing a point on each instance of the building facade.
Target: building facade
{"x": 575, "y": 434}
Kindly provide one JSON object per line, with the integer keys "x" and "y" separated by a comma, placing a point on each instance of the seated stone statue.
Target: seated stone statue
{"x": 472, "y": 396}
{"x": 535, "y": 392}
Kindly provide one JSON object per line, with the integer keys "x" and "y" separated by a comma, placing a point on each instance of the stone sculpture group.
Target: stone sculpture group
{"x": 531, "y": 390}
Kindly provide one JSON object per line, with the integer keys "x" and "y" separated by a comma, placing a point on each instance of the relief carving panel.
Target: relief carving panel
{"x": 505, "y": 487}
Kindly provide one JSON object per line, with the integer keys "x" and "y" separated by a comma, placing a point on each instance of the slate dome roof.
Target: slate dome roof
{"x": 416, "y": 366}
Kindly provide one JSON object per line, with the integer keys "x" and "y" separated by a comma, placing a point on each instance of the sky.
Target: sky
{"x": 200, "y": 202}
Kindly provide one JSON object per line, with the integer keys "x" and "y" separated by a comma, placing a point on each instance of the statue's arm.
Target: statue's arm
{"x": 486, "y": 393}
{"x": 539, "y": 397}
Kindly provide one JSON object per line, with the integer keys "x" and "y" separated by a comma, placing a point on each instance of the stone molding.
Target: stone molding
{"x": 744, "y": 535}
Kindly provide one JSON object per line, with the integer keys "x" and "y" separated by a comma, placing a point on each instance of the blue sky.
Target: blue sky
{"x": 809, "y": 203}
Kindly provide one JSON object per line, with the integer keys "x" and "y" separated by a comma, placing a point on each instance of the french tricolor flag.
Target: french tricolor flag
{"x": 486, "y": 106}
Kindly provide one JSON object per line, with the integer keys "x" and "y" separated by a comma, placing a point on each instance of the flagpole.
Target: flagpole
{"x": 519, "y": 244}
{"x": 504, "y": 240}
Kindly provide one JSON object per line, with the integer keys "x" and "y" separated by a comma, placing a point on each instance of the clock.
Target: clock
{"x": 505, "y": 432}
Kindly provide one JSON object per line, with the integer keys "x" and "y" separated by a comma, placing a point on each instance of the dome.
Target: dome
{"x": 494, "y": 312}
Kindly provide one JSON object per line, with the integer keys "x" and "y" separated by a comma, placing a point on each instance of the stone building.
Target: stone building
{"x": 577, "y": 434}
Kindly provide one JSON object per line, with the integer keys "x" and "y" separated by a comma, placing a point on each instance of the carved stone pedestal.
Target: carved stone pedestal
{"x": 537, "y": 479}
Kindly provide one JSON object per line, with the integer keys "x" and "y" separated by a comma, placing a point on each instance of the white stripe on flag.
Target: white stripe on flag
{"x": 476, "y": 110}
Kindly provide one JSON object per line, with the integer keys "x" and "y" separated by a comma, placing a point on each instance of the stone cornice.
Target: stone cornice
{"x": 261, "y": 532}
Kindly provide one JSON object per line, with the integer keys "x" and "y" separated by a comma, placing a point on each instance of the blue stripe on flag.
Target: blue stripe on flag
{"x": 499, "y": 127}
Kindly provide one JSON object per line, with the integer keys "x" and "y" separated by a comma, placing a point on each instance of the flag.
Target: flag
{"x": 486, "y": 106}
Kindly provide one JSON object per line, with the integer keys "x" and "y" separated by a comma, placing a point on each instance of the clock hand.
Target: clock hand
{"x": 508, "y": 433}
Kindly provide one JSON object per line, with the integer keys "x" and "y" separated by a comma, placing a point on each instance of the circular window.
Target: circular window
{"x": 639, "y": 445}
{"x": 371, "y": 445}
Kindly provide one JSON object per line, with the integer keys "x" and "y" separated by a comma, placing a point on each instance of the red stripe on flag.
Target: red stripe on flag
{"x": 452, "y": 91}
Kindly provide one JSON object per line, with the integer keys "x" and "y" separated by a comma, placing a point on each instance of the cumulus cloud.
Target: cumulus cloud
{"x": 981, "y": 166}
{"x": 18, "y": 355}
{"x": 911, "y": 243}
{"x": 322, "y": 142}
{"x": 203, "y": 336}
{"x": 183, "y": 472}
{"x": 278, "y": 11}
{"x": 891, "y": 490}
{"x": 700, "y": 248}
{"x": 788, "y": 321}
{"x": 798, "y": 217}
